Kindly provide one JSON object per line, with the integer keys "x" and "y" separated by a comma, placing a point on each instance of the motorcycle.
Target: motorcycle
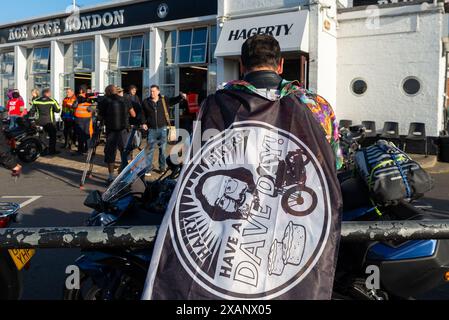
{"x": 407, "y": 269}
{"x": 27, "y": 140}
{"x": 14, "y": 260}
{"x": 119, "y": 274}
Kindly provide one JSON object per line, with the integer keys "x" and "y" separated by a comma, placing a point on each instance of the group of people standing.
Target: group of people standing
{"x": 122, "y": 114}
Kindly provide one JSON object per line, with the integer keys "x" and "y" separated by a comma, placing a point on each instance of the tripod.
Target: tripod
{"x": 89, "y": 165}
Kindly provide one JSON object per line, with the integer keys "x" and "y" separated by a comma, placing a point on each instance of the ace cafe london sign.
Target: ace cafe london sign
{"x": 73, "y": 23}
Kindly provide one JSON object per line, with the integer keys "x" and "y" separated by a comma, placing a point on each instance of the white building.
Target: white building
{"x": 382, "y": 63}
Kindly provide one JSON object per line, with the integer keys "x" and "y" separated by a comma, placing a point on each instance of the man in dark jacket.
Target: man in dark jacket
{"x": 6, "y": 158}
{"x": 286, "y": 234}
{"x": 156, "y": 122}
{"x": 115, "y": 112}
{"x": 44, "y": 110}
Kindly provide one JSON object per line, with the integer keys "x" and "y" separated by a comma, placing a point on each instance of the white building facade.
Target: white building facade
{"x": 385, "y": 62}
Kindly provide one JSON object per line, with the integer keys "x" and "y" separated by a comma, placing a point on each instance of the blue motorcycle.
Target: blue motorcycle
{"x": 407, "y": 269}
{"x": 119, "y": 274}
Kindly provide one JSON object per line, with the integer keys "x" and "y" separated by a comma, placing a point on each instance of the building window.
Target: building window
{"x": 42, "y": 81}
{"x": 411, "y": 86}
{"x": 41, "y": 60}
{"x": 358, "y": 87}
{"x": 192, "y": 45}
{"x": 212, "y": 44}
{"x": 170, "y": 47}
{"x": 7, "y": 63}
{"x": 131, "y": 53}
{"x": 83, "y": 53}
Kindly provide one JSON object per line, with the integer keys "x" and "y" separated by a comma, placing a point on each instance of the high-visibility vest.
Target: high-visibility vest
{"x": 51, "y": 103}
{"x": 82, "y": 110}
{"x": 67, "y": 107}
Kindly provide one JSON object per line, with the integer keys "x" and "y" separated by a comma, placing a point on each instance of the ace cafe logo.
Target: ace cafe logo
{"x": 253, "y": 213}
{"x": 162, "y": 10}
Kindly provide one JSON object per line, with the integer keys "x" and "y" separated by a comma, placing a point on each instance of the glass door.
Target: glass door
{"x": 67, "y": 81}
{"x": 6, "y": 83}
{"x": 113, "y": 77}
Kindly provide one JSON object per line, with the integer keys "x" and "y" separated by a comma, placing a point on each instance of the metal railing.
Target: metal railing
{"x": 144, "y": 236}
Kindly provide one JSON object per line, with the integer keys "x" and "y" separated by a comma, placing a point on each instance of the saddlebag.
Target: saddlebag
{"x": 390, "y": 174}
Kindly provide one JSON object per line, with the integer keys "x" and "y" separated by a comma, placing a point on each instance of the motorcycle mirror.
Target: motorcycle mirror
{"x": 94, "y": 201}
{"x": 18, "y": 218}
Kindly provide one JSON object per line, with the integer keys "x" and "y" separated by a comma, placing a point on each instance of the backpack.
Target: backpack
{"x": 391, "y": 175}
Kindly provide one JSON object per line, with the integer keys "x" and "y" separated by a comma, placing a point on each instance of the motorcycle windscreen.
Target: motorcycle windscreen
{"x": 137, "y": 168}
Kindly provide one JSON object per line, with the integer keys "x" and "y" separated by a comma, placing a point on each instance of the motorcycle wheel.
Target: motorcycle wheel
{"x": 11, "y": 281}
{"x": 293, "y": 200}
{"x": 126, "y": 290}
{"x": 30, "y": 150}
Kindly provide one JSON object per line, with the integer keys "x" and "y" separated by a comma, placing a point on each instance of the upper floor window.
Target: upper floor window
{"x": 411, "y": 86}
{"x": 131, "y": 52}
{"x": 83, "y": 55}
{"x": 189, "y": 46}
{"x": 41, "y": 60}
{"x": 192, "y": 45}
{"x": 7, "y": 63}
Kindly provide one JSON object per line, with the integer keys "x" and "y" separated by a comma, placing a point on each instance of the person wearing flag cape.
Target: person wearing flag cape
{"x": 256, "y": 213}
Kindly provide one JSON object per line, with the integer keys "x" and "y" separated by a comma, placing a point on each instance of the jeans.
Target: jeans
{"x": 128, "y": 148}
{"x": 13, "y": 122}
{"x": 159, "y": 137}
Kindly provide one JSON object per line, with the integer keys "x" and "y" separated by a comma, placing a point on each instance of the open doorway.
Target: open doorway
{"x": 82, "y": 78}
{"x": 193, "y": 82}
{"x": 133, "y": 77}
{"x": 296, "y": 68}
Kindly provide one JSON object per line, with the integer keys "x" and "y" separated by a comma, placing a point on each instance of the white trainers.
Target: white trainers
{"x": 148, "y": 174}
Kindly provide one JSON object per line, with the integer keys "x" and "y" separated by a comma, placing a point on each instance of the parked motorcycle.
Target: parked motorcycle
{"x": 27, "y": 140}
{"x": 407, "y": 268}
{"x": 119, "y": 274}
{"x": 14, "y": 260}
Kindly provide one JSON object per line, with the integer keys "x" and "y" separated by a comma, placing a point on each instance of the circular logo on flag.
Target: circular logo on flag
{"x": 162, "y": 10}
{"x": 252, "y": 215}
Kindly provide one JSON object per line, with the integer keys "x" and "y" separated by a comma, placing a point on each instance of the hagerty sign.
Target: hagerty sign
{"x": 110, "y": 17}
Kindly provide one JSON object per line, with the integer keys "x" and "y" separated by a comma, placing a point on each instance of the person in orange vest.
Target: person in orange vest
{"x": 83, "y": 119}
{"x": 68, "y": 116}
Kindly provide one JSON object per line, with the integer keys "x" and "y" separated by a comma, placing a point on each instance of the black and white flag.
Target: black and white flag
{"x": 256, "y": 211}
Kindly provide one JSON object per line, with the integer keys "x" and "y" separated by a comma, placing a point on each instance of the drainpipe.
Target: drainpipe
{"x": 446, "y": 82}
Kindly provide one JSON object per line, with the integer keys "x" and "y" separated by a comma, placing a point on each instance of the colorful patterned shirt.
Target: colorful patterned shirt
{"x": 320, "y": 108}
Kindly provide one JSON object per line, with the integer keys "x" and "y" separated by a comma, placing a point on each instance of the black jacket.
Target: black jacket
{"x": 114, "y": 111}
{"x": 6, "y": 158}
{"x": 137, "y": 106}
{"x": 154, "y": 115}
{"x": 44, "y": 110}
{"x": 287, "y": 123}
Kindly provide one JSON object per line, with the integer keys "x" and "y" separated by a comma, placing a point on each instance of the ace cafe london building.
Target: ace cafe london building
{"x": 379, "y": 60}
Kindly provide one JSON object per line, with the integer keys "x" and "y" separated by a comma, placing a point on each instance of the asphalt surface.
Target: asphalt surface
{"x": 57, "y": 202}
{"x": 51, "y": 188}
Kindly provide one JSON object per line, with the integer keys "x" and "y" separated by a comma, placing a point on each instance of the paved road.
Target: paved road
{"x": 59, "y": 202}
